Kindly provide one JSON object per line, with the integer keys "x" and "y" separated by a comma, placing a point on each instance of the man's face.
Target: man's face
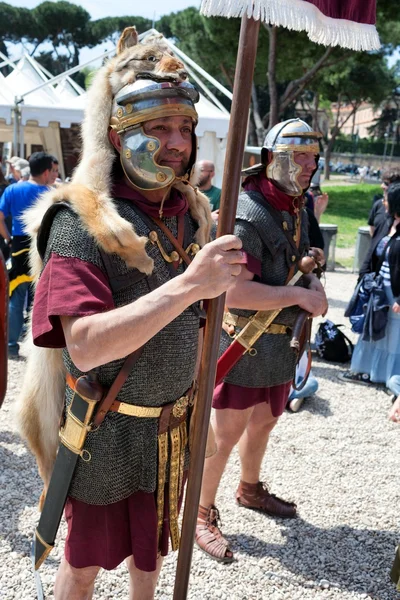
{"x": 205, "y": 175}
{"x": 307, "y": 161}
{"x": 175, "y": 135}
{"x": 53, "y": 173}
{"x": 46, "y": 177}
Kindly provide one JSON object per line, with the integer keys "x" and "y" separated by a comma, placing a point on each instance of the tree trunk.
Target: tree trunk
{"x": 259, "y": 129}
{"x": 252, "y": 138}
{"x": 327, "y": 154}
{"x": 273, "y": 91}
{"x": 315, "y": 123}
{"x": 75, "y": 56}
{"x": 331, "y": 141}
{"x": 353, "y": 125}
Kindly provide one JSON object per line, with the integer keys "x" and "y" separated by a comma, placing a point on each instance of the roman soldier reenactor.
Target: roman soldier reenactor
{"x": 264, "y": 303}
{"x": 121, "y": 273}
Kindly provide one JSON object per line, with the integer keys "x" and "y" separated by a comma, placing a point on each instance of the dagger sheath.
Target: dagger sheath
{"x": 72, "y": 438}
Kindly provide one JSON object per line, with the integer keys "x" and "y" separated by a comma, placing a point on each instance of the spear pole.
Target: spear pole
{"x": 229, "y": 196}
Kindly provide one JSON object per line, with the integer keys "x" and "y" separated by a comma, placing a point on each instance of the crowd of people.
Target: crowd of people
{"x": 23, "y": 183}
{"x": 134, "y": 248}
{"x": 376, "y": 357}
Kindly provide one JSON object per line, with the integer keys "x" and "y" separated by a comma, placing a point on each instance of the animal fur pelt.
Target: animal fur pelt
{"x": 39, "y": 407}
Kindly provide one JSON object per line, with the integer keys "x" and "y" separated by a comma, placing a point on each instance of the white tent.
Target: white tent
{"x": 34, "y": 106}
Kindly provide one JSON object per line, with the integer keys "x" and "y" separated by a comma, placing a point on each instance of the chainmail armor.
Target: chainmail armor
{"x": 262, "y": 237}
{"x": 124, "y": 449}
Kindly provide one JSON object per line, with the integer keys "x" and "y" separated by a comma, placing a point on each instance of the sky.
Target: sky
{"x": 100, "y": 8}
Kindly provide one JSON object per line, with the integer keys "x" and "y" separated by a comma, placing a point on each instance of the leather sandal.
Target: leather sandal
{"x": 208, "y": 536}
{"x": 257, "y": 497}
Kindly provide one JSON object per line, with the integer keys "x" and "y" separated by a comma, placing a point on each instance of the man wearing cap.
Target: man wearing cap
{"x": 101, "y": 307}
{"x": 17, "y": 198}
{"x": 273, "y": 227}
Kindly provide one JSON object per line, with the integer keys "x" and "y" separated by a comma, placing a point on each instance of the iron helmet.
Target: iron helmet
{"x": 293, "y": 135}
{"x": 145, "y": 100}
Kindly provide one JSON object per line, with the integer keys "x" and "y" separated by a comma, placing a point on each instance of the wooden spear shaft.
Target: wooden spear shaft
{"x": 231, "y": 183}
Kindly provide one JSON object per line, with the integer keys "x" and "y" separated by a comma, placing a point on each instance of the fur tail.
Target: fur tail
{"x": 39, "y": 407}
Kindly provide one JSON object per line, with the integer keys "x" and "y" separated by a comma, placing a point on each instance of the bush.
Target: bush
{"x": 365, "y": 146}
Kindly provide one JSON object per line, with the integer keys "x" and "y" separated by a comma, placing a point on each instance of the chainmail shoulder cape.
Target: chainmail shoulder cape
{"x": 124, "y": 449}
{"x": 275, "y": 361}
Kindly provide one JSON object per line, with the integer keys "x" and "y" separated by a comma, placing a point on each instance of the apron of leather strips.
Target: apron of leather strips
{"x": 173, "y": 436}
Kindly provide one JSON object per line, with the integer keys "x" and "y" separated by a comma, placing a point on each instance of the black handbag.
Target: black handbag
{"x": 332, "y": 344}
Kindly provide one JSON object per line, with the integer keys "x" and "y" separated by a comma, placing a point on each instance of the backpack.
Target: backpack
{"x": 331, "y": 343}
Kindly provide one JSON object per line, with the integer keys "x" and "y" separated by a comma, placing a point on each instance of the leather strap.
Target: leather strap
{"x": 297, "y": 243}
{"x": 116, "y": 386}
{"x": 175, "y": 242}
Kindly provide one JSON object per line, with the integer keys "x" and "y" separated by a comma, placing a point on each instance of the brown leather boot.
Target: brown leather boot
{"x": 257, "y": 497}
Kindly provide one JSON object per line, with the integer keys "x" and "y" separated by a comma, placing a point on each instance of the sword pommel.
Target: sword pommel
{"x": 89, "y": 389}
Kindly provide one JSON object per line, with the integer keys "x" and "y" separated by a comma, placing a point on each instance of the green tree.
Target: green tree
{"x": 67, "y": 27}
{"x": 364, "y": 77}
{"x": 110, "y": 28}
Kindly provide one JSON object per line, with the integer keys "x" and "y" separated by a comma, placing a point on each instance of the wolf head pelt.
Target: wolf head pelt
{"x": 40, "y": 405}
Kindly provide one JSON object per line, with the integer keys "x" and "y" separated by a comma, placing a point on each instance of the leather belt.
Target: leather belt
{"x": 175, "y": 409}
{"x": 238, "y": 321}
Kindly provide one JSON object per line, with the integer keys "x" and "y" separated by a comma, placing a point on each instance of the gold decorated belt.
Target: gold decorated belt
{"x": 238, "y": 321}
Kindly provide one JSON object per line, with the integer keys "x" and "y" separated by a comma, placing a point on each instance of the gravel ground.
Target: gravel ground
{"x": 337, "y": 458}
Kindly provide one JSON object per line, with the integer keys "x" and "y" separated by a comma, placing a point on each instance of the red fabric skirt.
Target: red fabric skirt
{"x": 227, "y": 395}
{"x": 104, "y": 536}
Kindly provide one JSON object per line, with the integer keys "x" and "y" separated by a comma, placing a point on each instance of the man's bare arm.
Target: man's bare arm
{"x": 251, "y": 295}
{"x": 101, "y": 338}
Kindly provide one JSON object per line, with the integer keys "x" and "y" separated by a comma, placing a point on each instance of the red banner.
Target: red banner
{"x": 349, "y": 23}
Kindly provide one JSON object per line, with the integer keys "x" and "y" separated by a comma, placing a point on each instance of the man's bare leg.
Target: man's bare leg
{"x": 142, "y": 583}
{"x": 229, "y": 425}
{"x": 254, "y": 441}
{"x": 252, "y": 447}
{"x": 74, "y": 584}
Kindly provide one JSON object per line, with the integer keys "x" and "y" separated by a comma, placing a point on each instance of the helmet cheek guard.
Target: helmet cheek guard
{"x": 139, "y": 160}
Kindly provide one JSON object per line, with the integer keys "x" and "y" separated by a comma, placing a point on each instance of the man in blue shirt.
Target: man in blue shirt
{"x": 15, "y": 200}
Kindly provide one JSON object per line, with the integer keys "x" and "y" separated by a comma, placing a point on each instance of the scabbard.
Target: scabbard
{"x": 228, "y": 360}
{"x": 395, "y": 570}
{"x": 72, "y": 438}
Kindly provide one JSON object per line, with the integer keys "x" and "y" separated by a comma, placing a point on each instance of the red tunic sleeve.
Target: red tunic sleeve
{"x": 253, "y": 264}
{"x": 67, "y": 287}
